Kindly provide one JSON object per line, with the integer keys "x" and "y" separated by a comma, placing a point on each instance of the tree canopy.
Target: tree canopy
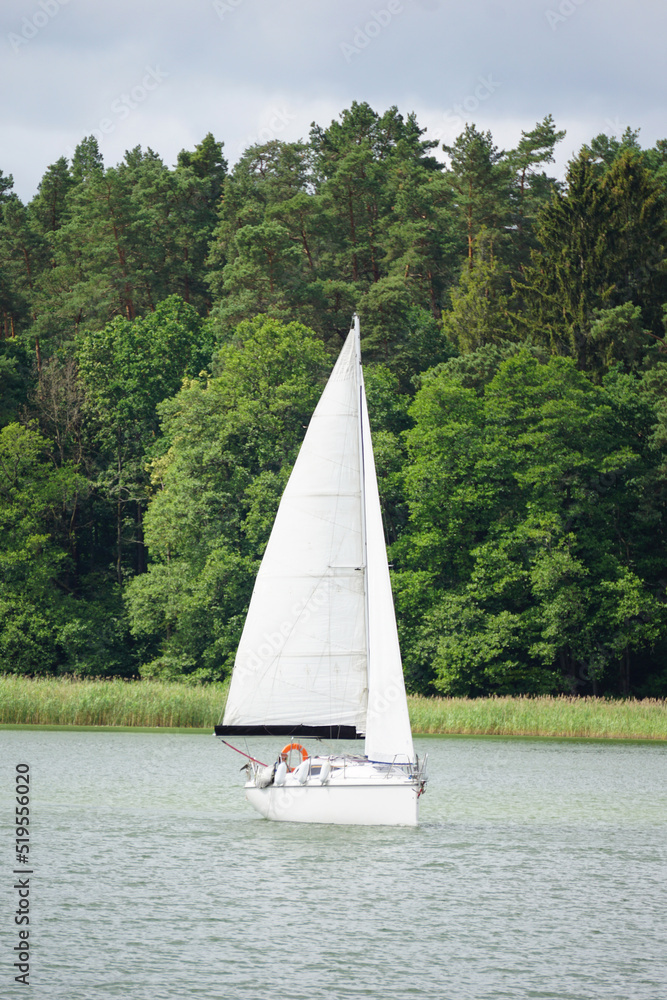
{"x": 165, "y": 333}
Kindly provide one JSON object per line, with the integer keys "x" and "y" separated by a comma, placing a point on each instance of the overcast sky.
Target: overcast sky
{"x": 163, "y": 73}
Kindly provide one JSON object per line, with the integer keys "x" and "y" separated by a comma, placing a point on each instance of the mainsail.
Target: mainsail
{"x": 319, "y": 652}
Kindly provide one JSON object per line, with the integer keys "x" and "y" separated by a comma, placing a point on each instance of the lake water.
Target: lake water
{"x": 539, "y": 870}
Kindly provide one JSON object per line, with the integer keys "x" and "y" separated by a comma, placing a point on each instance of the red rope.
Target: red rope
{"x": 254, "y": 759}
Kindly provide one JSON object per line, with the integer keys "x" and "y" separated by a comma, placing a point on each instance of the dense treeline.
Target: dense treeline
{"x": 166, "y": 333}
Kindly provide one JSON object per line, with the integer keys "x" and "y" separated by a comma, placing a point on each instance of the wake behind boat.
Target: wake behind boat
{"x": 319, "y": 654}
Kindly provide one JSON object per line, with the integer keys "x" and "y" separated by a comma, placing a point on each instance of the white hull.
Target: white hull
{"x": 357, "y": 794}
{"x": 360, "y": 805}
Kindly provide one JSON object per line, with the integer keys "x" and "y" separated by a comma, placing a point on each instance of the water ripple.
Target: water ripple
{"x": 539, "y": 870}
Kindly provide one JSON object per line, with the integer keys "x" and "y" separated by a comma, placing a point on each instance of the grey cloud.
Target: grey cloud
{"x": 230, "y": 63}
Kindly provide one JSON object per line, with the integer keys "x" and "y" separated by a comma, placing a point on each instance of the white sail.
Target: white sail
{"x": 302, "y": 656}
{"x": 320, "y": 646}
{"x": 388, "y": 733}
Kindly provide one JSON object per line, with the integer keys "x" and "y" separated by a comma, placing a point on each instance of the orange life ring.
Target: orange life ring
{"x": 293, "y": 746}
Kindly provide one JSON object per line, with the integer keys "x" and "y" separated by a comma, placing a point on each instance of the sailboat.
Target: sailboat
{"x": 319, "y": 656}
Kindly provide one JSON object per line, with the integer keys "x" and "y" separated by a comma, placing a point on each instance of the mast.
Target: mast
{"x": 362, "y": 475}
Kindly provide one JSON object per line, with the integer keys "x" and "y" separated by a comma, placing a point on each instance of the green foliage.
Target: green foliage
{"x": 618, "y": 337}
{"x": 602, "y": 244}
{"x": 480, "y": 176}
{"x": 164, "y": 336}
{"x": 31, "y": 491}
{"x": 16, "y": 379}
{"x": 126, "y": 369}
{"x": 479, "y": 312}
{"x": 232, "y": 438}
{"x": 313, "y": 232}
{"x": 529, "y": 519}
{"x": 44, "y": 628}
{"x": 531, "y": 188}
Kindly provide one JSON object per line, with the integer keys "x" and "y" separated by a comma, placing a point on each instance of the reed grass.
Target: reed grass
{"x": 57, "y": 701}
{"x": 599, "y": 718}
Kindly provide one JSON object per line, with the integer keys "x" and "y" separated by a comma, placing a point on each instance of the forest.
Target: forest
{"x": 165, "y": 333}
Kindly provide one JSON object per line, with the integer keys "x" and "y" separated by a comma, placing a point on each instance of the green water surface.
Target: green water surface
{"x": 539, "y": 870}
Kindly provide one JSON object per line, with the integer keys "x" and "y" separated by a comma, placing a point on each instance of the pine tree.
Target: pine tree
{"x": 51, "y": 205}
{"x": 198, "y": 183}
{"x": 479, "y": 312}
{"x": 479, "y": 174}
{"x": 22, "y": 256}
{"x": 531, "y": 188}
{"x": 568, "y": 278}
{"x": 602, "y": 244}
{"x": 420, "y": 233}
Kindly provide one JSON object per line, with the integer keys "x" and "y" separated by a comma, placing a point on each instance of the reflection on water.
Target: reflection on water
{"x": 539, "y": 870}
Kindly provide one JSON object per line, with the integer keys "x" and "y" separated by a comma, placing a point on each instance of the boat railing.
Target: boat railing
{"x": 414, "y": 770}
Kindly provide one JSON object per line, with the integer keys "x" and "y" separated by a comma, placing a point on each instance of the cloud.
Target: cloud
{"x": 232, "y": 66}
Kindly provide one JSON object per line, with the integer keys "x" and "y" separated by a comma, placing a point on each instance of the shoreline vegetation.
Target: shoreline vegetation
{"x": 116, "y": 703}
